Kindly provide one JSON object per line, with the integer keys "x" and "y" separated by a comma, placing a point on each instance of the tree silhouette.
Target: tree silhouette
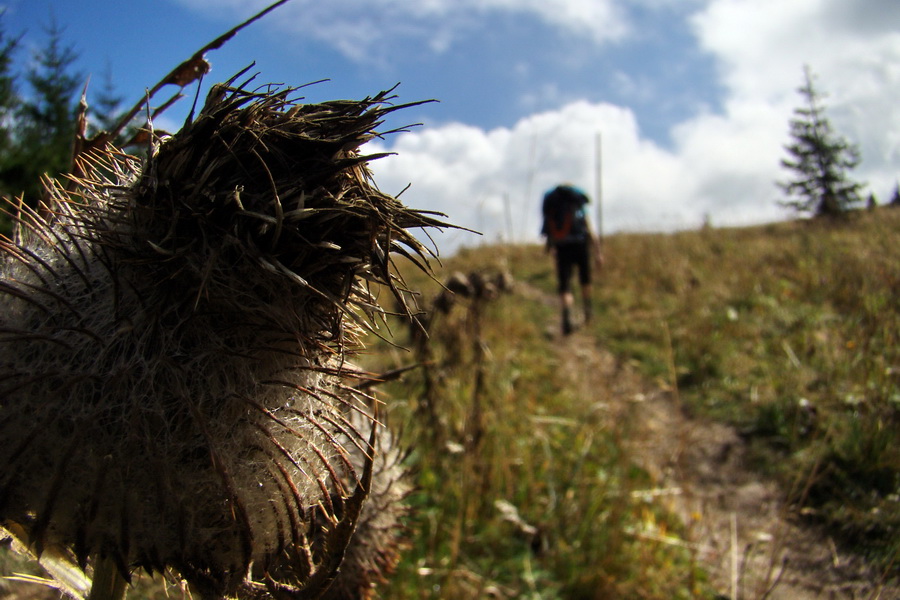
{"x": 895, "y": 197}
{"x": 820, "y": 160}
{"x": 107, "y": 107}
{"x": 9, "y": 105}
{"x": 45, "y": 128}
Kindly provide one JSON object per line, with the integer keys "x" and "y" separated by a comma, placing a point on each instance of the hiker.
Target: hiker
{"x": 573, "y": 245}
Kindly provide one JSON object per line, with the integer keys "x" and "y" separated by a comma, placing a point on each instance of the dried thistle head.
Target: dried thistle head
{"x": 172, "y": 347}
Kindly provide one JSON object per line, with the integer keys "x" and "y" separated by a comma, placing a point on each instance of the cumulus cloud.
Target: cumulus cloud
{"x": 722, "y": 166}
{"x": 719, "y": 164}
{"x": 601, "y": 20}
{"x": 361, "y": 29}
{"x": 761, "y": 46}
{"x": 492, "y": 181}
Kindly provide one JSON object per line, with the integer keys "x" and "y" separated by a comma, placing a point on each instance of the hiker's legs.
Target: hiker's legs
{"x": 564, "y": 266}
{"x": 567, "y": 303}
{"x": 586, "y": 301}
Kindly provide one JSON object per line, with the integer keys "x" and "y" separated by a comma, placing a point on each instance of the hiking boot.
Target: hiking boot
{"x": 566, "y": 323}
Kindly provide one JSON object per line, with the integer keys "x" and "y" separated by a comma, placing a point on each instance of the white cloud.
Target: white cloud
{"x": 760, "y": 45}
{"x": 360, "y": 28}
{"x": 492, "y": 181}
{"x": 601, "y": 20}
{"x": 852, "y": 47}
{"x": 720, "y": 167}
{"x": 723, "y": 164}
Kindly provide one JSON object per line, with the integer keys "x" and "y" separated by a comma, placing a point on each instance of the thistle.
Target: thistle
{"x": 175, "y": 395}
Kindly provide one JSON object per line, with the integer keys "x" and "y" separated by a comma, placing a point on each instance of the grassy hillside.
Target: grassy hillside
{"x": 518, "y": 437}
{"x": 791, "y": 333}
{"x": 788, "y": 331}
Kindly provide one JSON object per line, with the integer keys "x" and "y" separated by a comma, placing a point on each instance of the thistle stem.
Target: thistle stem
{"x": 108, "y": 583}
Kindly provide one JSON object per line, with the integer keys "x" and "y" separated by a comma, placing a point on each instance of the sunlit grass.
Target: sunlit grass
{"x": 790, "y": 333}
{"x": 514, "y": 432}
{"x": 524, "y": 486}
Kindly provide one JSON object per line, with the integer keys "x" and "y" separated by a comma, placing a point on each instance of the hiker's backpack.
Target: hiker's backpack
{"x": 565, "y": 215}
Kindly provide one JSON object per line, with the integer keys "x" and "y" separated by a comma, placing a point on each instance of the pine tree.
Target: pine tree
{"x": 872, "y": 202}
{"x": 9, "y": 101}
{"x": 820, "y": 159}
{"x": 106, "y": 107}
{"x": 45, "y": 120}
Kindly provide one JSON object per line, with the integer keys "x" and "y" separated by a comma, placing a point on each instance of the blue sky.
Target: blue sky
{"x": 691, "y": 98}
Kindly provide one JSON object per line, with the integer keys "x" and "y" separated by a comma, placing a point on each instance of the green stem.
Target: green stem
{"x": 108, "y": 583}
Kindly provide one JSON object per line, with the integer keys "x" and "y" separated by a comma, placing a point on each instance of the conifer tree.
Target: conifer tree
{"x": 45, "y": 120}
{"x": 9, "y": 102}
{"x": 106, "y": 106}
{"x": 872, "y": 202}
{"x": 820, "y": 160}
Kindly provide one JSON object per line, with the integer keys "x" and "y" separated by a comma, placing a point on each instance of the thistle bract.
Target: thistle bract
{"x": 174, "y": 394}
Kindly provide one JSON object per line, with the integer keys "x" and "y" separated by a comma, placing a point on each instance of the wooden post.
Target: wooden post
{"x": 598, "y": 183}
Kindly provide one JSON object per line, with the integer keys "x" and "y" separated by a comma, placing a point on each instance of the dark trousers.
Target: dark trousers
{"x": 568, "y": 258}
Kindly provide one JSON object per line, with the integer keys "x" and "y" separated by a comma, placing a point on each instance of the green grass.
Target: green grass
{"x": 788, "y": 332}
{"x": 511, "y": 428}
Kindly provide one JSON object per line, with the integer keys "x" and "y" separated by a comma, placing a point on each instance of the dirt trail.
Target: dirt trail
{"x": 737, "y": 522}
